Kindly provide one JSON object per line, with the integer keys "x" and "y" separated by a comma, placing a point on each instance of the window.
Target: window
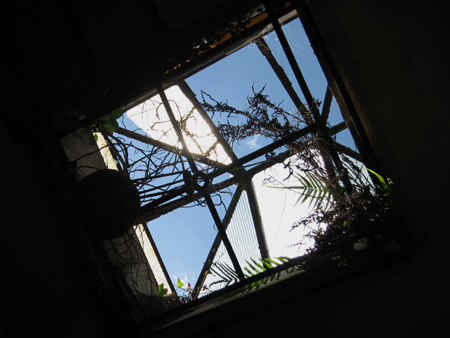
{"x": 203, "y": 152}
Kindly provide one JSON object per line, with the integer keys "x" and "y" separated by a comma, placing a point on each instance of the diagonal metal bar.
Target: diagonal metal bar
{"x": 266, "y": 149}
{"x": 257, "y": 219}
{"x": 163, "y": 209}
{"x": 215, "y": 246}
{"x": 338, "y": 128}
{"x": 167, "y": 147}
{"x": 176, "y": 127}
{"x": 205, "y": 194}
{"x": 150, "y": 207}
{"x": 348, "y": 151}
{"x": 341, "y": 148}
{"x": 254, "y": 208}
{"x": 310, "y": 100}
{"x": 326, "y": 104}
{"x": 280, "y": 73}
{"x": 217, "y": 187}
{"x": 223, "y": 235}
{"x": 291, "y": 58}
{"x": 342, "y": 94}
{"x": 265, "y": 49}
{"x": 167, "y": 197}
{"x": 197, "y": 105}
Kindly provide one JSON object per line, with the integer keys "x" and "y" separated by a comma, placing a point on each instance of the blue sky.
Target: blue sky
{"x": 184, "y": 236}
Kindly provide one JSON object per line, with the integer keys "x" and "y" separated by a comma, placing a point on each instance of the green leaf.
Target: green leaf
{"x": 162, "y": 291}
{"x": 250, "y": 272}
{"x": 254, "y": 269}
{"x": 266, "y": 262}
{"x": 259, "y": 265}
{"x": 312, "y": 188}
{"x": 283, "y": 259}
{"x": 109, "y": 129}
{"x": 116, "y": 113}
{"x": 380, "y": 178}
{"x": 113, "y": 124}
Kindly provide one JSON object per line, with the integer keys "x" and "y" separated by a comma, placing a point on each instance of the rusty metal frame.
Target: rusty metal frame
{"x": 241, "y": 176}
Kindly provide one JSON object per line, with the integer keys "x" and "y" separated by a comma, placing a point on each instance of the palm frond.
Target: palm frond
{"x": 225, "y": 272}
{"x": 313, "y": 188}
{"x": 228, "y": 276}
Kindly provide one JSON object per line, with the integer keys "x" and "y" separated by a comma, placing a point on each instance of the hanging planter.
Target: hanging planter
{"x": 106, "y": 204}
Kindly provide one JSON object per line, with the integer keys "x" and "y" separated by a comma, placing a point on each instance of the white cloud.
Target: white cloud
{"x": 152, "y": 117}
{"x": 253, "y": 142}
{"x": 279, "y": 212}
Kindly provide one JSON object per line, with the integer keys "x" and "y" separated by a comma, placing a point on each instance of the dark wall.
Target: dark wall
{"x": 392, "y": 56}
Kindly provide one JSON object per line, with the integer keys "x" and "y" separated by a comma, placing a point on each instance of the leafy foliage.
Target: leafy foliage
{"x": 108, "y": 124}
{"x": 347, "y": 206}
{"x": 385, "y": 190}
{"x": 313, "y": 188}
{"x": 262, "y": 117}
{"x": 228, "y": 276}
{"x": 162, "y": 290}
{"x": 366, "y": 213}
{"x": 188, "y": 292}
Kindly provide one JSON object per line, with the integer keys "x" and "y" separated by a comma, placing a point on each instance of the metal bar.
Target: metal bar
{"x": 320, "y": 48}
{"x": 338, "y": 128}
{"x": 312, "y": 105}
{"x": 327, "y": 157}
{"x": 348, "y": 151}
{"x": 228, "y": 168}
{"x": 206, "y": 196}
{"x": 290, "y": 56}
{"x": 224, "y": 236}
{"x": 215, "y": 246}
{"x": 185, "y": 308}
{"x": 219, "y": 186}
{"x": 267, "y": 149}
{"x": 177, "y": 128}
{"x": 159, "y": 187}
{"x": 257, "y": 219}
{"x": 152, "y": 205}
{"x": 279, "y": 71}
{"x": 197, "y": 105}
{"x": 158, "y": 176}
{"x": 326, "y": 104}
{"x": 165, "y": 146}
{"x": 158, "y": 256}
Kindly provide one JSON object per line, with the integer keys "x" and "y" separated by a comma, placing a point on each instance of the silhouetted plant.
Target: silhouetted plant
{"x": 228, "y": 275}
{"x": 347, "y": 205}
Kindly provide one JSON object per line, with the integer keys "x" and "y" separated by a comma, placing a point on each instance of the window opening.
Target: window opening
{"x": 179, "y": 157}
